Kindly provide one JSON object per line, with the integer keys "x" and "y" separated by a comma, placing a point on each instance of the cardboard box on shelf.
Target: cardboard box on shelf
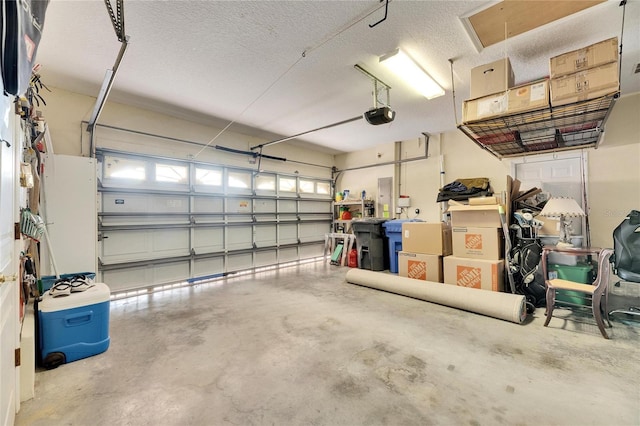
{"x": 483, "y": 216}
{"x": 474, "y": 273}
{"x": 529, "y": 97}
{"x": 491, "y": 78}
{"x": 426, "y": 238}
{"x": 478, "y": 243}
{"x": 591, "y": 56}
{"x": 486, "y": 107}
{"x": 420, "y": 266}
{"x": 584, "y": 85}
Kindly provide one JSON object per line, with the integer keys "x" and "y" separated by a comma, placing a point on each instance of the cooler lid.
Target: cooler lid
{"x": 97, "y": 294}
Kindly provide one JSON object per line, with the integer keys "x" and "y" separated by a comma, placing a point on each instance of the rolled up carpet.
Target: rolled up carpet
{"x": 505, "y": 306}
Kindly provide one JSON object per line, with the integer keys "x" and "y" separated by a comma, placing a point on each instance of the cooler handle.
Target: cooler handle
{"x": 81, "y": 318}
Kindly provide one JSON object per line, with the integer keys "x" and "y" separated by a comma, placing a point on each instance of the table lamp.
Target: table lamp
{"x": 563, "y": 208}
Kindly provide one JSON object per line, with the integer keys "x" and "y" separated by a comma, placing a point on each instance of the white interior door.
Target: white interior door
{"x": 558, "y": 175}
{"x": 9, "y": 296}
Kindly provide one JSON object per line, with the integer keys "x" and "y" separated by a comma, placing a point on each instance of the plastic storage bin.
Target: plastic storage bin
{"x": 579, "y": 273}
{"x": 370, "y": 243}
{"x": 73, "y": 327}
{"x": 393, "y": 232}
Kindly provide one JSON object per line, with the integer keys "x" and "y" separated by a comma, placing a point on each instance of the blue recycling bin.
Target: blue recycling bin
{"x": 393, "y": 231}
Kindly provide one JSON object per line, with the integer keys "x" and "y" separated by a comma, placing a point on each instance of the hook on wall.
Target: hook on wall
{"x": 7, "y": 142}
{"x": 386, "y": 8}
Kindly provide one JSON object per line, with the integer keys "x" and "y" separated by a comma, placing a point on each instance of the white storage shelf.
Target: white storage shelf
{"x": 358, "y": 208}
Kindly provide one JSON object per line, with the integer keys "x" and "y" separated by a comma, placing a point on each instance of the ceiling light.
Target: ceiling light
{"x": 403, "y": 66}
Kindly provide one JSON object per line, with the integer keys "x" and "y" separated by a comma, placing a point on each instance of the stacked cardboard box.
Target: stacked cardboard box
{"x": 584, "y": 74}
{"x": 423, "y": 245}
{"x": 477, "y": 246}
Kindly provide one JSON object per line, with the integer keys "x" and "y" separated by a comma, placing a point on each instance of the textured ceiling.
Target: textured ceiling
{"x": 220, "y": 61}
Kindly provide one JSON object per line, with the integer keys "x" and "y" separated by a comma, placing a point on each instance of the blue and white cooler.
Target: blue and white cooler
{"x": 75, "y": 326}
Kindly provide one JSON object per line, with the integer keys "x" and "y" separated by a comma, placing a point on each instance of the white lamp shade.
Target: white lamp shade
{"x": 404, "y": 67}
{"x": 557, "y": 207}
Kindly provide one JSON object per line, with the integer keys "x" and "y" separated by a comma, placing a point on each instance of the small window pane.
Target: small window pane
{"x": 208, "y": 177}
{"x": 124, "y": 168}
{"x": 323, "y": 188}
{"x": 266, "y": 182}
{"x": 307, "y": 186}
{"x": 239, "y": 180}
{"x": 171, "y": 173}
{"x": 287, "y": 185}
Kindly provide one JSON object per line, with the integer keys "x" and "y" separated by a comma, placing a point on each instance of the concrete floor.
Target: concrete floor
{"x": 301, "y": 346}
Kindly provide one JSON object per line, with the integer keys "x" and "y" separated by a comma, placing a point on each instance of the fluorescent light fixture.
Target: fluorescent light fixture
{"x": 403, "y": 66}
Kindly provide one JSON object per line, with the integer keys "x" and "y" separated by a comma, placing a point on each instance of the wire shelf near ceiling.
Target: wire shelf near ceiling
{"x": 573, "y": 126}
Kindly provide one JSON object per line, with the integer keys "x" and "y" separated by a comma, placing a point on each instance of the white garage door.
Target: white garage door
{"x": 165, "y": 221}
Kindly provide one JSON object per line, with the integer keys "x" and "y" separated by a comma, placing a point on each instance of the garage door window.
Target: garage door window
{"x": 208, "y": 177}
{"x": 239, "y": 180}
{"x": 171, "y": 173}
{"x": 124, "y": 168}
{"x": 287, "y": 184}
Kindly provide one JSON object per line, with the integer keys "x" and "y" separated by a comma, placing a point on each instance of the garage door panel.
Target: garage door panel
{"x": 144, "y": 203}
{"x": 125, "y": 245}
{"x": 208, "y": 205}
{"x": 208, "y": 219}
{"x": 265, "y": 235}
{"x": 238, "y": 205}
{"x": 125, "y": 279}
{"x": 265, "y": 206}
{"x": 266, "y": 217}
{"x": 312, "y": 231}
{"x": 208, "y": 240}
{"x": 288, "y": 233}
{"x": 315, "y": 206}
{"x": 309, "y": 251}
{"x": 287, "y": 206}
{"x": 289, "y": 254}
{"x": 171, "y": 241}
{"x": 170, "y": 272}
{"x": 266, "y": 258}
{"x": 239, "y": 262}
{"x": 208, "y": 266}
{"x": 107, "y": 221}
{"x": 144, "y": 244}
{"x": 239, "y": 237}
{"x": 146, "y": 276}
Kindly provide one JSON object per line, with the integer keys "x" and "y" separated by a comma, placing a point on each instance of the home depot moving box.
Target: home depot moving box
{"x": 474, "y": 273}
{"x": 584, "y": 85}
{"x": 595, "y": 55}
{"x": 426, "y": 238}
{"x": 491, "y": 78}
{"x": 478, "y": 243}
{"x": 419, "y": 266}
{"x": 483, "y": 216}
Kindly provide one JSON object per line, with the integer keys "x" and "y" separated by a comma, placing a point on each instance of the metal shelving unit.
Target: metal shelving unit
{"x": 551, "y": 129}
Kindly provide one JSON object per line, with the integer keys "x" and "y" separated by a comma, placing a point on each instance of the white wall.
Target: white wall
{"x": 421, "y": 179}
{"x": 614, "y": 171}
{"x": 66, "y": 110}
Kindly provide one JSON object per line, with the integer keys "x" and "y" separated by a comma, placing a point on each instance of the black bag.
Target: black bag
{"x": 626, "y": 243}
{"x": 22, "y": 22}
{"x": 524, "y": 265}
